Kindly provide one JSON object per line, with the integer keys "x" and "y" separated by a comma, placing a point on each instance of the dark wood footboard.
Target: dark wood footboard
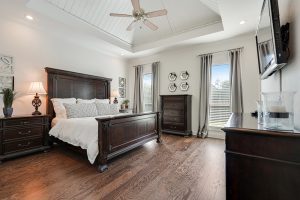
{"x": 120, "y": 134}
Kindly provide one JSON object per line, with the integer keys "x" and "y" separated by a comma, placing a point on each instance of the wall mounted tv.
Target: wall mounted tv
{"x": 271, "y": 40}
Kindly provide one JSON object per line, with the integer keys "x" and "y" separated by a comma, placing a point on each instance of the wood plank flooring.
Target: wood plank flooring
{"x": 179, "y": 168}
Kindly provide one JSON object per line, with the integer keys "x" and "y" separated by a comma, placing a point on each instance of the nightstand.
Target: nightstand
{"x": 125, "y": 110}
{"x": 21, "y": 135}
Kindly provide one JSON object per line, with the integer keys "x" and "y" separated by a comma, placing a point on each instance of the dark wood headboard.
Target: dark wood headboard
{"x": 66, "y": 84}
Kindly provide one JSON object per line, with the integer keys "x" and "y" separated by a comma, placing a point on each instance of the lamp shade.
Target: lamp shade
{"x": 115, "y": 93}
{"x": 36, "y": 87}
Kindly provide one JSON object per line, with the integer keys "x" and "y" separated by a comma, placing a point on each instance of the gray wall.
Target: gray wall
{"x": 291, "y": 73}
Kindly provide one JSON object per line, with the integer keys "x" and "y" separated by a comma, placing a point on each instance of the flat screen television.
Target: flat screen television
{"x": 271, "y": 46}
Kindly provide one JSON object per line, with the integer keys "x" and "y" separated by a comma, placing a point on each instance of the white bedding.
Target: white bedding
{"x": 81, "y": 132}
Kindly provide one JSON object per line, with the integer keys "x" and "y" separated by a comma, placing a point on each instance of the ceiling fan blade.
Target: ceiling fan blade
{"x": 136, "y": 5}
{"x": 150, "y": 25}
{"x": 119, "y": 15}
{"x": 130, "y": 27}
{"x": 156, "y": 13}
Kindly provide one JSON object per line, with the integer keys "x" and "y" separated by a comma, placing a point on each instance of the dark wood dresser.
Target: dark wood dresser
{"x": 261, "y": 164}
{"x": 23, "y": 135}
{"x": 176, "y": 114}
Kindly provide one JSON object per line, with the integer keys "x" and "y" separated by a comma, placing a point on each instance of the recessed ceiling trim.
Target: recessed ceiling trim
{"x": 177, "y": 38}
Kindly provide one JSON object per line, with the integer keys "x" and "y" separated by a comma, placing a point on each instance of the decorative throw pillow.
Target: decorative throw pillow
{"x": 85, "y": 100}
{"x": 81, "y": 110}
{"x": 114, "y": 109}
{"x": 107, "y": 109}
{"x": 59, "y": 108}
{"x": 102, "y": 108}
{"x": 102, "y": 101}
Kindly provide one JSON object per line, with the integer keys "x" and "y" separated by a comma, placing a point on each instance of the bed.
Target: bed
{"x": 116, "y": 134}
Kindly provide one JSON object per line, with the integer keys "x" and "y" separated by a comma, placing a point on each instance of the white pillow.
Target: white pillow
{"x": 81, "y": 110}
{"x": 102, "y": 101}
{"x": 59, "y": 108}
{"x": 107, "y": 109}
{"x": 85, "y": 100}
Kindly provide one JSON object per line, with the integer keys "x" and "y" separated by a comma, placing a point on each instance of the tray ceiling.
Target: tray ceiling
{"x": 185, "y": 20}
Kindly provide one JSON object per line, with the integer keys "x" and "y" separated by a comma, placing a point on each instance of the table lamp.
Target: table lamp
{"x": 115, "y": 93}
{"x": 36, "y": 88}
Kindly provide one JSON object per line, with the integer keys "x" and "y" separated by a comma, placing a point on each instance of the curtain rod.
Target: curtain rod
{"x": 146, "y": 63}
{"x": 221, "y": 51}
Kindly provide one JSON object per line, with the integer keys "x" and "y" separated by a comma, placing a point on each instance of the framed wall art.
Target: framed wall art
{"x": 172, "y": 76}
{"x": 6, "y": 65}
{"x": 172, "y": 87}
{"x": 184, "y": 75}
{"x": 6, "y": 82}
{"x": 122, "y": 92}
{"x": 122, "y": 82}
{"x": 122, "y": 87}
{"x": 184, "y": 86}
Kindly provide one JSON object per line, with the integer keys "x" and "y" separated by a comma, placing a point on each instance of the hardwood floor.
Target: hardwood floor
{"x": 179, "y": 168}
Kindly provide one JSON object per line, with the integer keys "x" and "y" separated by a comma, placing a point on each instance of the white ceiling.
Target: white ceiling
{"x": 182, "y": 18}
{"x": 188, "y": 22}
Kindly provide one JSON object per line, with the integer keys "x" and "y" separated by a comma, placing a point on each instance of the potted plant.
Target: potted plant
{"x": 126, "y": 102}
{"x": 8, "y": 98}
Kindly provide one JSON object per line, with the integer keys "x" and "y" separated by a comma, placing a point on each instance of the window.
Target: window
{"x": 147, "y": 83}
{"x": 219, "y": 104}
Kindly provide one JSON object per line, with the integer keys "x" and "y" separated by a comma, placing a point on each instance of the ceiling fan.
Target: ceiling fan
{"x": 140, "y": 15}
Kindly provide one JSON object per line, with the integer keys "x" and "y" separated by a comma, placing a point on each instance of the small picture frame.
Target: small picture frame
{"x": 172, "y": 87}
{"x": 6, "y": 65}
{"x": 184, "y": 86}
{"x": 172, "y": 76}
{"x": 6, "y": 82}
{"x": 122, "y": 82}
{"x": 122, "y": 92}
{"x": 184, "y": 75}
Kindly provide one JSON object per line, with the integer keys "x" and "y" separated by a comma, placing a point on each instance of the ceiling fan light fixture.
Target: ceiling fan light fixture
{"x": 140, "y": 15}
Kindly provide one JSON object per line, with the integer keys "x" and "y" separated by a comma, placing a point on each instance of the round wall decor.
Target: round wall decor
{"x": 184, "y": 86}
{"x": 172, "y": 76}
{"x": 172, "y": 87}
{"x": 184, "y": 75}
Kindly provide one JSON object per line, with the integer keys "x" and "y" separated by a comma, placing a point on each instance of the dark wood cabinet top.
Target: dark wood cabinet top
{"x": 22, "y": 116}
{"x": 247, "y": 123}
{"x": 166, "y": 95}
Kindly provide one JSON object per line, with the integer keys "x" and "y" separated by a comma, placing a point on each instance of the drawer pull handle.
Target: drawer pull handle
{"x": 24, "y": 145}
{"x": 26, "y": 133}
{"x": 25, "y": 123}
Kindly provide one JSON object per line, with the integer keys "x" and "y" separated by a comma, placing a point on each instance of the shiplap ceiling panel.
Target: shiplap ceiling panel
{"x": 182, "y": 16}
{"x": 186, "y": 16}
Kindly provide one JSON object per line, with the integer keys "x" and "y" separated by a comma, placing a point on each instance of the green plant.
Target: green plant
{"x": 8, "y": 97}
{"x": 126, "y": 102}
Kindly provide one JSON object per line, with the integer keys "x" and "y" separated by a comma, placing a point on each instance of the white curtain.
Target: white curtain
{"x": 205, "y": 73}
{"x": 236, "y": 81}
{"x": 155, "y": 87}
{"x": 138, "y": 105}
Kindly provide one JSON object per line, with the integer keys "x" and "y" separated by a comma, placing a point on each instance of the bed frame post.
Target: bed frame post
{"x": 103, "y": 145}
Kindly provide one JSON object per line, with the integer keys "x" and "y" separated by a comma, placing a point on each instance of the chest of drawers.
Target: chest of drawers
{"x": 23, "y": 135}
{"x": 176, "y": 114}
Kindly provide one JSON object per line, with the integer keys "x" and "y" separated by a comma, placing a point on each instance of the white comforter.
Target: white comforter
{"x": 81, "y": 132}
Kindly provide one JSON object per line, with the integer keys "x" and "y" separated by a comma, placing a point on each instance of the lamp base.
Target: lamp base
{"x": 36, "y": 113}
{"x": 116, "y": 100}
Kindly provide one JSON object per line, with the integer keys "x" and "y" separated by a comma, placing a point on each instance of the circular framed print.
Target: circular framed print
{"x": 172, "y": 87}
{"x": 184, "y": 75}
{"x": 172, "y": 76}
{"x": 184, "y": 86}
